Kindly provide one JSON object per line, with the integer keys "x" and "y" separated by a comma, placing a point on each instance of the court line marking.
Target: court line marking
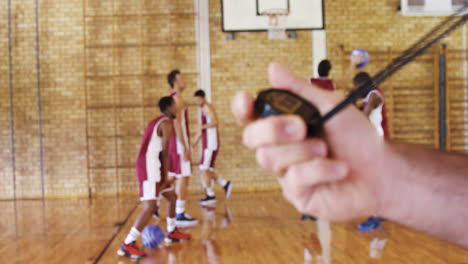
{"x": 116, "y": 233}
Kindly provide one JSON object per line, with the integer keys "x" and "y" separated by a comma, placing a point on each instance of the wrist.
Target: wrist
{"x": 392, "y": 188}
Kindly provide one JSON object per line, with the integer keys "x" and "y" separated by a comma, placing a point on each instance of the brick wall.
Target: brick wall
{"x": 6, "y": 171}
{"x": 241, "y": 64}
{"x": 103, "y": 67}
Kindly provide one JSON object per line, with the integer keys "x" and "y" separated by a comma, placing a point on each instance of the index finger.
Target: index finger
{"x": 242, "y": 107}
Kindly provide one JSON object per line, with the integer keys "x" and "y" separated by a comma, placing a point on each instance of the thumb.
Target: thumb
{"x": 280, "y": 78}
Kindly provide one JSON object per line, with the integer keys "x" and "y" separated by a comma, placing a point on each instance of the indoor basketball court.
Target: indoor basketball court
{"x": 158, "y": 131}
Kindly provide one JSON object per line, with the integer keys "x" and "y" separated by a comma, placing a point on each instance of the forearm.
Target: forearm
{"x": 180, "y": 133}
{"x": 197, "y": 138}
{"x": 341, "y": 84}
{"x": 165, "y": 166}
{"x": 427, "y": 190}
{"x": 209, "y": 125}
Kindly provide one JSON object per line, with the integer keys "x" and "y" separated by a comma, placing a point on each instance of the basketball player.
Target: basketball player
{"x": 152, "y": 169}
{"x": 179, "y": 149}
{"x": 208, "y": 133}
{"x": 374, "y": 109}
{"x": 324, "y": 69}
{"x": 323, "y": 81}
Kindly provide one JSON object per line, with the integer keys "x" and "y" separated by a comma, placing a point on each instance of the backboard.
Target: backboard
{"x": 246, "y": 15}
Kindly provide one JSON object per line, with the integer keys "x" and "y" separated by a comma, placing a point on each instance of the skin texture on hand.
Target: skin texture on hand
{"x": 351, "y": 171}
{"x": 325, "y": 177}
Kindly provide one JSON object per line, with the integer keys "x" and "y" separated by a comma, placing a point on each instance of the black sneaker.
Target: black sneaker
{"x": 305, "y": 217}
{"x": 184, "y": 220}
{"x": 156, "y": 215}
{"x": 227, "y": 189}
{"x": 208, "y": 200}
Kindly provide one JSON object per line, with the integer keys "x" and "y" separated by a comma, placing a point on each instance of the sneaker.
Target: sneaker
{"x": 184, "y": 220}
{"x": 227, "y": 189}
{"x": 305, "y": 217}
{"x": 131, "y": 250}
{"x": 156, "y": 215}
{"x": 208, "y": 200}
{"x": 177, "y": 236}
{"x": 370, "y": 223}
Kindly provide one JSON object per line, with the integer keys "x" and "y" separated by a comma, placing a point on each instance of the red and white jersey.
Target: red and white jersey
{"x": 179, "y": 147}
{"x": 148, "y": 164}
{"x": 378, "y": 116}
{"x": 323, "y": 83}
{"x": 210, "y": 136}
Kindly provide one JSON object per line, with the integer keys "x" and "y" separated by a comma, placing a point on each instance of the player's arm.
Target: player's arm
{"x": 166, "y": 127}
{"x": 373, "y": 103}
{"x": 342, "y": 84}
{"x": 178, "y": 123}
{"x": 211, "y": 113}
{"x": 197, "y": 139}
{"x": 198, "y": 136}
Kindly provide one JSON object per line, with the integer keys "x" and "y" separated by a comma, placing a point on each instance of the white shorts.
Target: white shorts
{"x": 150, "y": 190}
{"x": 208, "y": 159}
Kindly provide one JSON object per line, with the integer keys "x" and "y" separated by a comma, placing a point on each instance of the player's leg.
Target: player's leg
{"x": 183, "y": 219}
{"x": 181, "y": 170}
{"x": 207, "y": 182}
{"x": 156, "y": 212}
{"x": 210, "y": 165}
{"x": 173, "y": 233}
{"x": 227, "y": 185}
{"x": 129, "y": 247}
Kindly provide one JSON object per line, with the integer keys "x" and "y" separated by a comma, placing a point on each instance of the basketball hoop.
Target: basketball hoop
{"x": 277, "y": 19}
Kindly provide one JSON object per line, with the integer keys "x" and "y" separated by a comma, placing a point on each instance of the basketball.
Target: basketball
{"x": 364, "y": 54}
{"x": 152, "y": 236}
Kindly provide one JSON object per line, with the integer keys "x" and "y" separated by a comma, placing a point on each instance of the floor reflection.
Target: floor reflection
{"x": 378, "y": 239}
{"x": 212, "y": 250}
{"x": 319, "y": 244}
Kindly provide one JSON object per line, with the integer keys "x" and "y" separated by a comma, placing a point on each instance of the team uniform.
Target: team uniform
{"x": 178, "y": 166}
{"x": 323, "y": 82}
{"x": 378, "y": 116}
{"x": 149, "y": 164}
{"x": 210, "y": 144}
{"x": 149, "y": 168}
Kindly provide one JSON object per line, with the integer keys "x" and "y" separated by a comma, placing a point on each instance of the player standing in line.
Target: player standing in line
{"x": 179, "y": 149}
{"x": 208, "y": 133}
{"x": 324, "y": 69}
{"x": 152, "y": 169}
{"x": 323, "y": 81}
{"x": 374, "y": 109}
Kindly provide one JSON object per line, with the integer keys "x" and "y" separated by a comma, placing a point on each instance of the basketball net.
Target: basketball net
{"x": 277, "y": 19}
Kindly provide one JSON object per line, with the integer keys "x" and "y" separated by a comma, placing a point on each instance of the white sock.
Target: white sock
{"x": 210, "y": 192}
{"x": 158, "y": 202}
{"x": 171, "y": 224}
{"x": 221, "y": 181}
{"x": 132, "y": 236}
{"x": 180, "y": 207}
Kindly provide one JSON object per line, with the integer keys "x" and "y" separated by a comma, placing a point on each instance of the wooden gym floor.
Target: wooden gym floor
{"x": 249, "y": 228}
